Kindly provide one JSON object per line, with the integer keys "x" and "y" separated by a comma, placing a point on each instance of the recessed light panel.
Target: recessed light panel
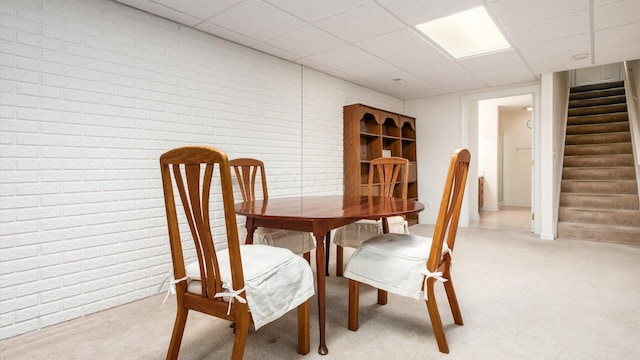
{"x": 467, "y": 33}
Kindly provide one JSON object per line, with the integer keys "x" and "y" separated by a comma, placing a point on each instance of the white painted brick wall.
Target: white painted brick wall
{"x": 91, "y": 93}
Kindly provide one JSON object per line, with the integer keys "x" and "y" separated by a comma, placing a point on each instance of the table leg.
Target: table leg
{"x": 320, "y": 275}
{"x": 328, "y": 251}
{"x": 251, "y": 228}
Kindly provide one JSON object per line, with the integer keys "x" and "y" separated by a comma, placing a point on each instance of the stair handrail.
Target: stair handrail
{"x": 632, "y": 78}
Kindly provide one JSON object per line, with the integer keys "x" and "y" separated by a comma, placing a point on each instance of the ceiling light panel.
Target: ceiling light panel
{"x": 467, "y": 33}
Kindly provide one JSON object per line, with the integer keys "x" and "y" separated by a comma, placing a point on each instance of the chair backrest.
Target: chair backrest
{"x": 193, "y": 170}
{"x": 450, "y": 206}
{"x": 247, "y": 170}
{"x": 388, "y": 169}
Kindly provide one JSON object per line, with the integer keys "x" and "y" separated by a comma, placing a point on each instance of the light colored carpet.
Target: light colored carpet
{"x": 521, "y": 298}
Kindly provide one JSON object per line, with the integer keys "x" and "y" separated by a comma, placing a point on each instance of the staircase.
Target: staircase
{"x": 599, "y": 193}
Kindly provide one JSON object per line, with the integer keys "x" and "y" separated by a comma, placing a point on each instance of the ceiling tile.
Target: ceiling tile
{"x": 551, "y": 28}
{"x": 490, "y": 61}
{"x": 369, "y": 69}
{"x": 297, "y": 41}
{"x": 414, "y": 12}
{"x": 226, "y": 34}
{"x": 199, "y": 9}
{"x": 257, "y": 20}
{"x": 514, "y": 13}
{"x": 395, "y": 43}
{"x": 519, "y": 70}
{"x": 283, "y": 54}
{"x": 445, "y": 80}
{"x": 342, "y": 57}
{"x": 608, "y": 13}
{"x": 314, "y": 10}
{"x": 162, "y": 11}
{"x": 417, "y": 59}
{"x": 471, "y": 85}
{"x": 361, "y": 23}
{"x": 438, "y": 71}
{"x": 622, "y": 42}
{"x": 561, "y": 50}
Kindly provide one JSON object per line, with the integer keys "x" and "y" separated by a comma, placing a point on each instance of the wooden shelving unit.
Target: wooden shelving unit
{"x": 367, "y": 132}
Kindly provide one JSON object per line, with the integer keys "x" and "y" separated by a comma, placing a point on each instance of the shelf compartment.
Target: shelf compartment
{"x": 364, "y": 174}
{"x": 409, "y": 150}
{"x": 370, "y": 147}
{"x": 408, "y": 128}
{"x": 412, "y": 192}
{"x": 413, "y": 171}
{"x": 390, "y": 125}
{"x": 369, "y": 124}
{"x": 392, "y": 144}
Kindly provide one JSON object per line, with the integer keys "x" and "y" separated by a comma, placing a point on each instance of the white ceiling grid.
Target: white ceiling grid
{"x": 373, "y": 42}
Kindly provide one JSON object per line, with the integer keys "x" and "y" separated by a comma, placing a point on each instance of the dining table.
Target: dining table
{"x": 319, "y": 215}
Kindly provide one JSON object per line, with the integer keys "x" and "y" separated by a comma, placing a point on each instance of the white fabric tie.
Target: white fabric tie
{"x": 172, "y": 286}
{"x": 428, "y": 274}
{"x": 234, "y": 294}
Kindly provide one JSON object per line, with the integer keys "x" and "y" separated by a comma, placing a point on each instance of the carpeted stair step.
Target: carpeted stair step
{"x": 600, "y": 173}
{"x": 597, "y": 232}
{"x": 599, "y": 86}
{"x": 597, "y": 93}
{"x": 599, "y": 119}
{"x": 600, "y": 216}
{"x": 597, "y": 110}
{"x": 599, "y": 138}
{"x": 599, "y": 160}
{"x": 598, "y": 191}
{"x": 599, "y": 186}
{"x": 598, "y": 149}
{"x": 604, "y": 100}
{"x": 600, "y": 201}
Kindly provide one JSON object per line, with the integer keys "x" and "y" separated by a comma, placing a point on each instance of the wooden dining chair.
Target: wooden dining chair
{"x": 227, "y": 280}
{"x": 410, "y": 265}
{"x": 385, "y": 173}
{"x": 248, "y": 171}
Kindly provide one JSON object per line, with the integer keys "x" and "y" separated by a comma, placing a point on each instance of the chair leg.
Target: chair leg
{"x": 383, "y": 296}
{"x": 241, "y": 330}
{"x": 434, "y": 314}
{"x": 339, "y": 261}
{"x": 304, "y": 328}
{"x": 453, "y": 299}
{"x": 178, "y": 331}
{"x": 354, "y": 299}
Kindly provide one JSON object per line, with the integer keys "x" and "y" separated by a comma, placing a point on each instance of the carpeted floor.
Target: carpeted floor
{"x": 521, "y": 298}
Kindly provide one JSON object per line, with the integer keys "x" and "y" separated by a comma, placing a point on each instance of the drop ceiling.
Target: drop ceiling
{"x": 374, "y": 43}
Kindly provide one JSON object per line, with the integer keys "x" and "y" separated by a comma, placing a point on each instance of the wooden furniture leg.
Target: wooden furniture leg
{"x": 354, "y": 302}
{"x": 320, "y": 271}
{"x": 304, "y": 324}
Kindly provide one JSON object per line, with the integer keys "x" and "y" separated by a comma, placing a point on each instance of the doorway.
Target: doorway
{"x": 473, "y": 134}
{"x": 505, "y": 157}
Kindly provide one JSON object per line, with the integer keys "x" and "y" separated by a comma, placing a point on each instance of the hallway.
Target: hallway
{"x": 510, "y": 217}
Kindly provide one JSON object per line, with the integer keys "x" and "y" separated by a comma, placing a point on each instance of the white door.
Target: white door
{"x": 598, "y": 74}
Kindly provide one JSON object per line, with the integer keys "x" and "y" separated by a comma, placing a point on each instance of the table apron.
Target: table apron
{"x": 317, "y": 227}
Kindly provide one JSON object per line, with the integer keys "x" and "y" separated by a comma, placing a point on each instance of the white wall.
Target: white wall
{"x": 438, "y": 134}
{"x": 555, "y": 93}
{"x": 488, "y": 117}
{"x": 92, "y": 93}
{"x": 517, "y": 157}
{"x": 448, "y": 122}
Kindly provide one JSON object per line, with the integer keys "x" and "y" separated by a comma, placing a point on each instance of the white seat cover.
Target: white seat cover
{"x": 276, "y": 280}
{"x": 392, "y": 262}
{"x": 299, "y": 242}
{"x": 353, "y": 235}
